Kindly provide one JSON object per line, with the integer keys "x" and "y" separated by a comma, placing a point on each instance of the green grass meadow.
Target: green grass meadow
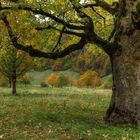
{"x": 68, "y": 113}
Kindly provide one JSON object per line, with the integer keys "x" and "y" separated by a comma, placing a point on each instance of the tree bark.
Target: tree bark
{"x": 14, "y": 81}
{"x": 125, "y": 102}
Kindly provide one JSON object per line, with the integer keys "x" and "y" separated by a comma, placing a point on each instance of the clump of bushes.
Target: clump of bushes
{"x": 52, "y": 80}
{"x": 89, "y": 79}
{"x": 56, "y": 80}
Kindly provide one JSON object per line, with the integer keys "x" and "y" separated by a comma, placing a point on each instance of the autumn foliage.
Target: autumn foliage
{"x": 58, "y": 80}
{"x": 89, "y": 79}
{"x": 53, "y": 80}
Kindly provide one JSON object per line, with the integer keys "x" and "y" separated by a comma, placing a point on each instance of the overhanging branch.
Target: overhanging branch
{"x": 37, "y": 53}
{"x": 44, "y": 13}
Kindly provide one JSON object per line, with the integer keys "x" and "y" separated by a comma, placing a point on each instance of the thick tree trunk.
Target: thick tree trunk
{"x": 125, "y": 101}
{"x": 14, "y": 81}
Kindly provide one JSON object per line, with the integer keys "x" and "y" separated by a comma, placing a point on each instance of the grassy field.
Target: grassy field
{"x": 59, "y": 114}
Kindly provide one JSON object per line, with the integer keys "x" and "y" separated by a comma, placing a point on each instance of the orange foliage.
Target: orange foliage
{"x": 59, "y": 80}
{"x": 89, "y": 78}
{"x": 53, "y": 80}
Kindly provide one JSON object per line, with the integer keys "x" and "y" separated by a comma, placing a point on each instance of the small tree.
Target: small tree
{"x": 13, "y": 64}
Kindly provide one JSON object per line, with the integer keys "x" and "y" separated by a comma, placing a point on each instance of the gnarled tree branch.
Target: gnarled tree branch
{"x": 37, "y": 53}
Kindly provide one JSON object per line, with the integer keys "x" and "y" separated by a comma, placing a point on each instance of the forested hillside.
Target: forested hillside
{"x": 80, "y": 62}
